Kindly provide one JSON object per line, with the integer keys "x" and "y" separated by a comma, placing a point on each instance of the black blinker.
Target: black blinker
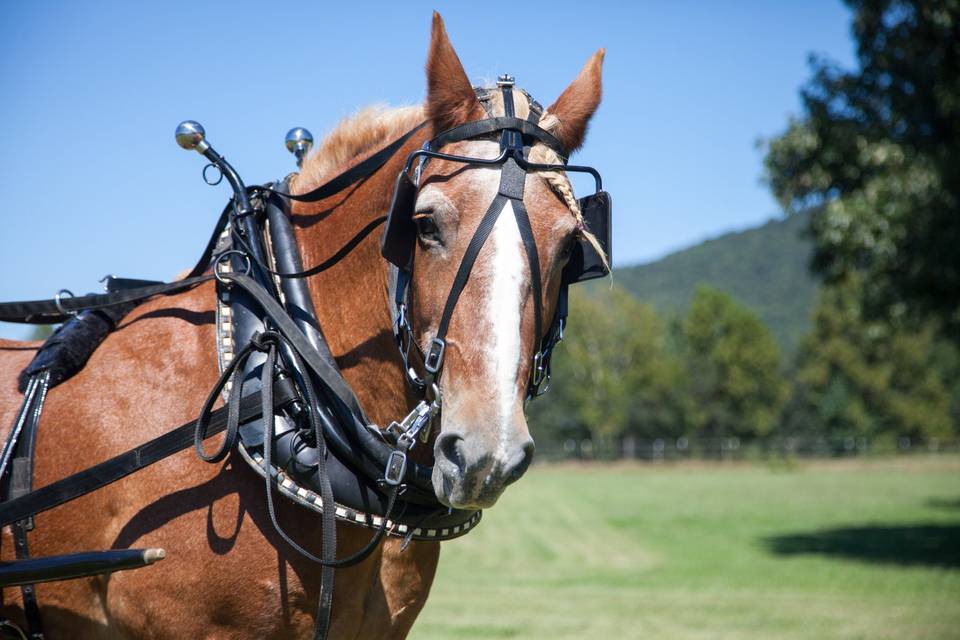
{"x": 585, "y": 264}
{"x": 400, "y": 233}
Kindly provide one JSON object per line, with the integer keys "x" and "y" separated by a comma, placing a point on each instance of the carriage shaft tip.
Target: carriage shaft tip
{"x": 153, "y": 555}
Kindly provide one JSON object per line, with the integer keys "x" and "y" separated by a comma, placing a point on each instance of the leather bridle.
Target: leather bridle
{"x": 517, "y": 136}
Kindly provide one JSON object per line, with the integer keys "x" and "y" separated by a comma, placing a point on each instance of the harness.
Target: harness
{"x": 288, "y": 411}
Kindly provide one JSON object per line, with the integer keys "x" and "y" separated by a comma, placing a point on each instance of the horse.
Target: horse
{"x": 228, "y": 574}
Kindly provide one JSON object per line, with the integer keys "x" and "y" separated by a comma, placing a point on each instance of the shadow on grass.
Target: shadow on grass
{"x": 935, "y": 545}
{"x": 944, "y": 503}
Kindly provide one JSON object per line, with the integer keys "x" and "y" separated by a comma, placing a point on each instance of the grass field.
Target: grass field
{"x": 866, "y": 549}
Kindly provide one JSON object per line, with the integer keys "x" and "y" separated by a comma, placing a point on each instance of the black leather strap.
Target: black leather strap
{"x": 493, "y": 125}
{"x": 363, "y": 169}
{"x": 511, "y": 189}
{"x": 466, "y": 263}
{"x": 328, "y": 522}
{"x": 20, "y": 484}
{"x": 341, "y": 253}
{"x": 83, "y": 482}
{"x": 50, "y": 311}
{"x": 31, "y": 608}
{"x": 533, "y": 260}
{"x": 201, "y": 433}
{"x": 508, "y": 107}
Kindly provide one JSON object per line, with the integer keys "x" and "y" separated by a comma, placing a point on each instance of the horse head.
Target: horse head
{"x": 484, "y": 443}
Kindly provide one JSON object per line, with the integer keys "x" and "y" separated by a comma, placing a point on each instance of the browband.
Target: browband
{"x": 494, "y": 125}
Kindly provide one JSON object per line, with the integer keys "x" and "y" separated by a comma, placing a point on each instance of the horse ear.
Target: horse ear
{"x": 451, "y": 100}
{"x": 577, "y": 103}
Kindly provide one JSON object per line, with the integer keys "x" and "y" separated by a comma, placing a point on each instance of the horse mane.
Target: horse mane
{"x": 354, "y": 136}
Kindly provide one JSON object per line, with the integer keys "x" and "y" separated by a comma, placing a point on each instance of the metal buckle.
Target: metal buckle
{"x": 434, "y": 357}
{"x": 406, "y": 432}
{"x": 407, "y": 429}
{"x": 422, "y": 161}
{"x": 396, "y": 468}
{"x": 539, "y": 391}
{"x": 538, "y": 369}
{"x": 435, "y": 398}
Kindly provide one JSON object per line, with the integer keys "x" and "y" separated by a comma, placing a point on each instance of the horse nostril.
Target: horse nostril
{"x": 518, "y": 463}
{"x": 450, "y": 446}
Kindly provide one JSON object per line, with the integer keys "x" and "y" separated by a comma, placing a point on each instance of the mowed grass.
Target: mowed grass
{"x": 866, "y": 549}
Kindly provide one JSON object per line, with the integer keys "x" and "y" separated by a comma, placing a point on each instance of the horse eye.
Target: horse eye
{"x": 567, "y": 250}
{"x": 427, "y": 228}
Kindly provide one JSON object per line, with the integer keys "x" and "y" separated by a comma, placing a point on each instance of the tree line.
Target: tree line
{"x": 716, "y": 372}
{"x": 875, "y": 155}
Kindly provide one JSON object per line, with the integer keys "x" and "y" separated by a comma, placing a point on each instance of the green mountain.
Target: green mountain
{"x": 765, "y": 268}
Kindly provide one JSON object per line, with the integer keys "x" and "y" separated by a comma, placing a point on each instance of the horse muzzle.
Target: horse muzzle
{"x": 469, "y": 475}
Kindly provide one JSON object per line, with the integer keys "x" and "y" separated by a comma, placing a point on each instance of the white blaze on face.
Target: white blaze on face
{"x": 504, "y": 307}
{"x": 484, "y": 443}
{"x": 501, "y": 268}
{"x": 504, "y": 262}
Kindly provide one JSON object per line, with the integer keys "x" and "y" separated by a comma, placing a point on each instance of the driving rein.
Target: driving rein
{"x": 288, "y": 411}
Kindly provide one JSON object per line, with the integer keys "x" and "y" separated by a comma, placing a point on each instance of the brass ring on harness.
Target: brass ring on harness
{"x": 220, "y": 275}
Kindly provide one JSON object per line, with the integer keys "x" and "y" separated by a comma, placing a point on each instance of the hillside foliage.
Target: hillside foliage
{"x": 766, "y": 268}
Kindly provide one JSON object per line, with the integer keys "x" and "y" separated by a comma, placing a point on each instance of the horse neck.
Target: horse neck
{"x": 351, "y": 298}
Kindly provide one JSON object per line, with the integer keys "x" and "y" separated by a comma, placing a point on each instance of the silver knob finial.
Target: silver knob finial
{"x": 190, "y": 135}
{"x": 299, "y": 142}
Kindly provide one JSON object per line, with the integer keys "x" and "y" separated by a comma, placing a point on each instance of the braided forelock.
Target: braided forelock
{"x": 542, "y": 154}
{"x": 561, "y": 185}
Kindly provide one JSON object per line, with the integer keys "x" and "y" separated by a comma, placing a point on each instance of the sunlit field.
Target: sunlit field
{"x": 845, "y": 549}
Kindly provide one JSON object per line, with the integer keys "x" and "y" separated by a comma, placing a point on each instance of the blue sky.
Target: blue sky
{"x": 93, "y": 182}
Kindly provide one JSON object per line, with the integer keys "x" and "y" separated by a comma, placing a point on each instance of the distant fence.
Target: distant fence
{"x": 682, "y": 448}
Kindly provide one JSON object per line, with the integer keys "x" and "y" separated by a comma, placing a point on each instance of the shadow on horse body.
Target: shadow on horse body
{"x": 227, "y": 574}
